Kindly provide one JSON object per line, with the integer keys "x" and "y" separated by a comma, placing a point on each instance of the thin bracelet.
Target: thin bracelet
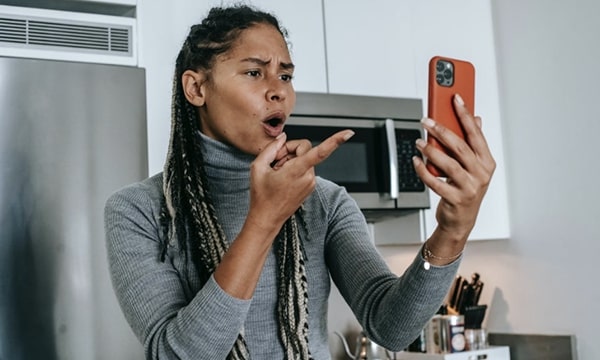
{"x": 427, "y": 254}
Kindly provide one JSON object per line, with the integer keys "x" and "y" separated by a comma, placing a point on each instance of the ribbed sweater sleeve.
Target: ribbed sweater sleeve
{"x": 152, "y": 294}
{"x": 391, "y": 309}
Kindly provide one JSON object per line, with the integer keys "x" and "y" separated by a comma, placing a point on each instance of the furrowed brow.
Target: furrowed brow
{"x": 287, "y": 66}
{"x": 260, "y": 62}
{"x": 256, "y": 61}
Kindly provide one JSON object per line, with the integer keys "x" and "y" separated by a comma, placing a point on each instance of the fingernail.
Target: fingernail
{"x": 420, "y": 143}
{"x": 415, "y": 160}
{"x": 280, "y": 135}
{"x": 428, "y": 122}
{"x": 459, "y": 100}
{"x": 348, "y": 135}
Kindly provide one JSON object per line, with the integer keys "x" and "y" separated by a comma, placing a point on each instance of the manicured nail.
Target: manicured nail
{"x": 348, "y": 135}
{"x": 415, "y": 160}
{"x": 459, "y": 100}
{"x": 420, "y": 143}
{"x": 428, "y": 122}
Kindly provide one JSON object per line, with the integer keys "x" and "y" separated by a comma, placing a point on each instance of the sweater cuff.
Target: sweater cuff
{"x": 220, "y": 301}
{"x": 215, "y": 311}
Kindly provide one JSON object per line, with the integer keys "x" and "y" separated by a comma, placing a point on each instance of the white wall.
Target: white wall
{"x": 544, "y": 279}
{"x": 548, "y": 60}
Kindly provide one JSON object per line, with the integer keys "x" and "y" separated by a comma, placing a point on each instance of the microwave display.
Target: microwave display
{"x": 347, "y": 164}
{"x": 353, "y": 165}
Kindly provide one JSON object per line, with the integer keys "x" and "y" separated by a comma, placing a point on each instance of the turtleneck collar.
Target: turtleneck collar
{"x": 224, "y": 162}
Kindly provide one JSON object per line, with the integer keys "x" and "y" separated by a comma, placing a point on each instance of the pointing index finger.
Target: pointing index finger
{"x": 319, "y": 153}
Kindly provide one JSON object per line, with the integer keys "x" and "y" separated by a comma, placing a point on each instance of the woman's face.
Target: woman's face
{"x": 248, "y": 94}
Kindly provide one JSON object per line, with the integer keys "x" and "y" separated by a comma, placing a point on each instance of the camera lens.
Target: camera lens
{"x": 448, "y": 74}
{"x": 440, "y": 66}
{"x": 439, "y": 78}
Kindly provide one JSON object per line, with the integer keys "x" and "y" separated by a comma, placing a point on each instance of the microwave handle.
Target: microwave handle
{"x": 390, "y": 133}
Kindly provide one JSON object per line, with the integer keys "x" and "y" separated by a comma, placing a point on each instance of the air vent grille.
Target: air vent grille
{"x": 42, "y": 33}
{"x": 13, "y": 30}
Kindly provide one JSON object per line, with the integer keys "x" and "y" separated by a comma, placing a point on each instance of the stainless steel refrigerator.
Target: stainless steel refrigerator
{"x": 70, "y": 134}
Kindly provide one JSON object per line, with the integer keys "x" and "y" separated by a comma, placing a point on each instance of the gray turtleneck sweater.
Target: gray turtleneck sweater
{"x": 177, "y": 317}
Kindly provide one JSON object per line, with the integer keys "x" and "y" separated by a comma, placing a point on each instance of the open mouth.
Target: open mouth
{"x": 274, "y": 122}
{"x": 274, "y": 125}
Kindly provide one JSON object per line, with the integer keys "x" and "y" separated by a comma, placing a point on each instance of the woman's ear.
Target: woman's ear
{"x": 193, "y": 89}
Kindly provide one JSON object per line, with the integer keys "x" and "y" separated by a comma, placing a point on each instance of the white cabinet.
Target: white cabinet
{"x": 370, "y": 49}
{"x": 304, "y": 22}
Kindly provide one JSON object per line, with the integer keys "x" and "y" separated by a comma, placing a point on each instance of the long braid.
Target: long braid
{"x": 293, "y": 291}
{"x": 188, "y": 212}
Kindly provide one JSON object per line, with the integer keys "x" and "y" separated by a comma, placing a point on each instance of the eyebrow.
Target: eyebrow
{"x": 283, "y": 65}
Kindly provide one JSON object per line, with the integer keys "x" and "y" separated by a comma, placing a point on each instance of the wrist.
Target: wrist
{"x": 262, "y": 225}
{"x": 440, "y": 250}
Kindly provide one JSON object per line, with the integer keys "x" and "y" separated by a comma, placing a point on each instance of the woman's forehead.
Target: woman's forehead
{"x": 260, "y": 41}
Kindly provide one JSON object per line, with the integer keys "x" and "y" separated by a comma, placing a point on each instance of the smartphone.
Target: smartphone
{"x": 448, "y": 77}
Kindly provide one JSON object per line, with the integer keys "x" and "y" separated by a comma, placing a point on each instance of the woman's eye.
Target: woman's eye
{"x": 287, "y": 77}
{"x": 253, "y": 73}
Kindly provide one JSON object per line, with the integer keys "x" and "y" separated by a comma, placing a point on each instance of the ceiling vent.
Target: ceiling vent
{"x": 59, "y": 35}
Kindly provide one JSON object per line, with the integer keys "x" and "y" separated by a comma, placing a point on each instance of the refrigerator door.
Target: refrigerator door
{"x": 70, "y": 134}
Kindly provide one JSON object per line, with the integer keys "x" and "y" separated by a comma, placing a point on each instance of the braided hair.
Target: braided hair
{"x": 188, "y": 213}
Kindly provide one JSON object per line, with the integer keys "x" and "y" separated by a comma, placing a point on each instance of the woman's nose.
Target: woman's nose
{"x": 277, "y": 90}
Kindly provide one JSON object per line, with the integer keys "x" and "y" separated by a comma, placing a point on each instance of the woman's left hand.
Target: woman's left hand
{"x": 469, "y": 174}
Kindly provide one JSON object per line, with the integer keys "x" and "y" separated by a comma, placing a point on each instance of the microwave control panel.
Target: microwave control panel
{"x": 408, "y": 180}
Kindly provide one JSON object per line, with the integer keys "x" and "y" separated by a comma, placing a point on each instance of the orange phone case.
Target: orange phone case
{"x": 440, "y": 105}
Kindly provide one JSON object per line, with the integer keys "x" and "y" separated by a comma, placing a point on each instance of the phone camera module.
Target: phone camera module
{"x": 444, "y": 73}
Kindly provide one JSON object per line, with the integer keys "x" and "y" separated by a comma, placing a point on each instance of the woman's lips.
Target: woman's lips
{"x": 273, "y": 124}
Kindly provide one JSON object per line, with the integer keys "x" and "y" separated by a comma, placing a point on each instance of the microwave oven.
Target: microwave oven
{"x": 375, "y": 165}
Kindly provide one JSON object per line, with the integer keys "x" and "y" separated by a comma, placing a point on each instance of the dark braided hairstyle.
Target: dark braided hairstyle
{"x": 188, "y": 212}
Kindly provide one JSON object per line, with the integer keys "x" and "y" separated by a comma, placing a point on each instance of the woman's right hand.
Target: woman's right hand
{"x": 283, "y": 175}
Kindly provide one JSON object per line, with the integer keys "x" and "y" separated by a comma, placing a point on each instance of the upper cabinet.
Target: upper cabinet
{"x": 303, "y": 21}
{"x": 370, "y": 48}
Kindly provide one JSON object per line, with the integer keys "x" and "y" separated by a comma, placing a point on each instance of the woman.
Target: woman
{"x": 229, "y": 252}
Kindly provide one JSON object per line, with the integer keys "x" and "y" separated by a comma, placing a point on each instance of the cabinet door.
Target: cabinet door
{"x": 370, "y": 50}
{"x": 463, "y": 29}
{"x": 304, "y": 22}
